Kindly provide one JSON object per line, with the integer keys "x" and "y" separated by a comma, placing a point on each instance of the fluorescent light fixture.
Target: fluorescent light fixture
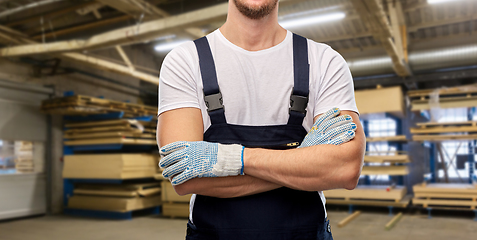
{"x": 167, "y": 46}
{"x": 312, "y": 20}
{"x": 439, "y": 1}
{"x": 166, "y": 37}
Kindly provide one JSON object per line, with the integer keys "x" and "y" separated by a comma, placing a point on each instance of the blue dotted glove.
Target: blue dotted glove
{"x": 330, "y": 128}
{"x": 200, "y": 159}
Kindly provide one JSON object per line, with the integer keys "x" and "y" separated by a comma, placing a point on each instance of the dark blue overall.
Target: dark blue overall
{"x": 283, "y": 213}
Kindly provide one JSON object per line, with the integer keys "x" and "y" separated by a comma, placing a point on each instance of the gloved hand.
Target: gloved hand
{"x": 330, "y": 129}
{"x": 200, "y": 159}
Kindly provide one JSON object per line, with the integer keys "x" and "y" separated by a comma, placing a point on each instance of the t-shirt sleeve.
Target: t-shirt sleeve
{"x": 177, "y": 83}
{"x": 336, "y": 88}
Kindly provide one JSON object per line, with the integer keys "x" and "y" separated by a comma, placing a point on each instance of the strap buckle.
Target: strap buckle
{"x": 213, "y": 102}
{"x": 298, "y": 103}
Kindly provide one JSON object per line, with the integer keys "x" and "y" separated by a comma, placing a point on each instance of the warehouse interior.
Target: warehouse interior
{"x": 79, "y": 97}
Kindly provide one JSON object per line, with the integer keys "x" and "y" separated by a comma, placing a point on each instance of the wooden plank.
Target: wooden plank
{"x": 385, "y": 170}
{"x": 445, "y": 195}
{"x": 349, "y": 218}
{"x": 461, "y": 123}
{"x": 472, "y": 88}
{"x": 374, "y": 203}
{"x": 453, "y": 188}
{"x": 398, "y": 138}
{"x": 109, "y": 135}
{"x": 445, "y": 128}
{"x": 175, "y": 210}
{"x": 387, "y": 158}
{"x": 393, "y": 221}
{"x": 444, "y": 137}
{"x": 127, "y": 141}
{"x": 444, "y": 203}
{"x": 368, "y": 192}
{"x": 391, "y": 100}
{"x": 454, "y": 102}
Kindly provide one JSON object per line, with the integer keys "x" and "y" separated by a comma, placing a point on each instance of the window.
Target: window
{"x": 454, "y": 152}
{"x": 18, "y": 157}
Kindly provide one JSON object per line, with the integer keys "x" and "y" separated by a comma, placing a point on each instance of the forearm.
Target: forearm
{"x": 226, "y": 187}
{"x": 315, "y": 168}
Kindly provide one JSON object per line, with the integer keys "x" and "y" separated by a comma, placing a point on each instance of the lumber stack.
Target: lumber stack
{"x": 85, "y": 105}
{"x": 116, "y": 198}
{"x": 120, "y": 131}
{"x": 466, "y": 130}
{"x": 173, "y": 204}
{"x": 369, "y": 195}
{"x": 381, "y": 100}
{"x": 463, "y": 96}
{"x": 24, "y": 156}
{"x": 110, "y": 166}
{"x": 446, "y": 196}
{"x": 385, "y": 163}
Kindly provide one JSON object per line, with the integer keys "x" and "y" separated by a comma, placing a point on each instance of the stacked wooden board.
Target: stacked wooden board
{"x": 173, "y": 204}
{"x": 116, "y": 198}
{"x": 121, "y": 131}
{"x": 391, "y": 100}
{"x": 445, "y": 131}
{"x": 386, "y": 163}
{"x": 85, "y": 105}
{"x": 110, "y": 166}
{"x": 447, "y": 196}
{"x": 464, "y": 96}
{"x": 24, "y": 156}
{"x": 369, "y": 195}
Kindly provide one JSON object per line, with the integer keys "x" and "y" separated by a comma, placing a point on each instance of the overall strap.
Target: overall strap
{"x": 301, "y": 69}
{"x": 212, "y": 96}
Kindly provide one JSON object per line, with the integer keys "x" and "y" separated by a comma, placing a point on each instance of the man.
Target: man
{"x": 231, "y": 107}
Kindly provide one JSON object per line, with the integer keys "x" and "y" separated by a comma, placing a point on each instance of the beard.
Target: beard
{"x": 255, "y": 12}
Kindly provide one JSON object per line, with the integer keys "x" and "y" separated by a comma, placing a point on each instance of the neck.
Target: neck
{"x": 252, "y": 34}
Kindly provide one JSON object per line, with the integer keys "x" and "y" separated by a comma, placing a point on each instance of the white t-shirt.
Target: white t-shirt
{"x": 255, "y": 85}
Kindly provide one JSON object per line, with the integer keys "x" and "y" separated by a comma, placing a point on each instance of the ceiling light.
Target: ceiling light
{"x": 438, "y": 1}
{"x": 167, "y": 46}
{"x": 312, "y": 20}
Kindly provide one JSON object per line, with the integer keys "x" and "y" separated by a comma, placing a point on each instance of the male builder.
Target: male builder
{"x": 232, "y": 107}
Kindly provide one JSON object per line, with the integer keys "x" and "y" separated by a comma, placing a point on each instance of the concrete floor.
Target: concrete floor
{"x": 369, "y": 226}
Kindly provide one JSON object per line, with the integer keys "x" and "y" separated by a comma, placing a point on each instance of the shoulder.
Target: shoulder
{"x": 184, "y": 53}
{"x": 324, "y": 54}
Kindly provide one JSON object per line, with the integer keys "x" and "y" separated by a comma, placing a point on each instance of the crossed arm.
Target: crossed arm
{"x": 313, "y": 168}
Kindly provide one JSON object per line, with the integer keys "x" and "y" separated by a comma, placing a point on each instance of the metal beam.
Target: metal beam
{"x": 124, "y": 36}
{"x": 373, "y": 15}
{"x": 88, "y": 60}
{"x": 136, "y": 8}
{"x": 26, "y": 7}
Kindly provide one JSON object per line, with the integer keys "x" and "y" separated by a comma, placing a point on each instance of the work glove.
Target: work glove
{"x": 200, "y": 159}
{"x": 330, "y": 128}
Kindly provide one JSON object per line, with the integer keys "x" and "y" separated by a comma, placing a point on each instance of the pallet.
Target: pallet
{"x": 116, "y": 204}
{"x": 456, "y": 196}
{"x": 385, "y": 170}
{"x": 372, "y": 193}
{"x": 398, "y": 138}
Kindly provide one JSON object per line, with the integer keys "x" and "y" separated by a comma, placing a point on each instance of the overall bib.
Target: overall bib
{"x": 282, "y": 213}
